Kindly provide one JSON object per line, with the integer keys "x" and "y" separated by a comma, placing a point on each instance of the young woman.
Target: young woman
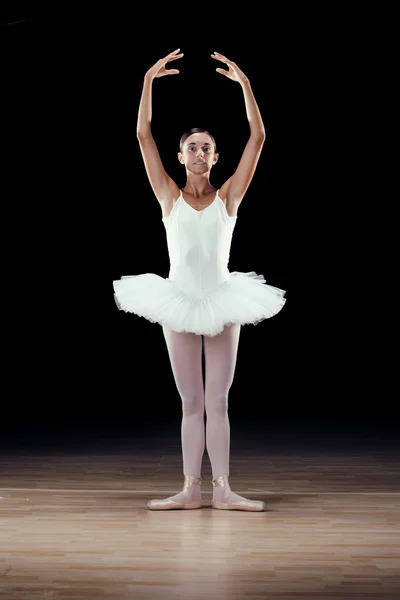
{"x": 201, "y": 300}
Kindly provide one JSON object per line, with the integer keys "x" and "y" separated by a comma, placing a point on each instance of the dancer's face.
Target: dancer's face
{"x": 198, "y": 153}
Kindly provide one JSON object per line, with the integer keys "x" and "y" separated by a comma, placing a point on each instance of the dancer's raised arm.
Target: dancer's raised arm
{"x": 235, "y": 187}
{"x": 162, "y": 185}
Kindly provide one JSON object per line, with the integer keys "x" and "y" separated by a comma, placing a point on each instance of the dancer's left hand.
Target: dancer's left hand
{"x": 234, "y": 72}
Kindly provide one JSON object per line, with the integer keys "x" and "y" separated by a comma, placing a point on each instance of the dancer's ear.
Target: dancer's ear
{"x": 180, "y": 158}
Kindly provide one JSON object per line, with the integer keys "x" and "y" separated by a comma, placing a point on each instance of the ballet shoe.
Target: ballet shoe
{"x": 250, "y": 505}
{"x": 186, "y": 502}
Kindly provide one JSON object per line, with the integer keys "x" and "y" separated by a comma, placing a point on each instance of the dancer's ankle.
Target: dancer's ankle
{"x": 220, "y": 486}
{"x": 192, "y": 487}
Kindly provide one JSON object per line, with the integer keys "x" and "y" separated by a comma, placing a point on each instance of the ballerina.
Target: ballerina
{"x": 201, "y": 302}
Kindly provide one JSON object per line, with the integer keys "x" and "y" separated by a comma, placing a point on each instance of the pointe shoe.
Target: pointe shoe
{"x": 252, "y": 505}
{"x": 169, "y": 504}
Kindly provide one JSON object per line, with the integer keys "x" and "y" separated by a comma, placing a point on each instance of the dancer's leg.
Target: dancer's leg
{"x": 185, "y": 353}
{"x": 220, "y": 361}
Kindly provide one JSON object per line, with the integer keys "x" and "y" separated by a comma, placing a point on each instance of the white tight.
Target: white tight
{"x": 220, "y": 352}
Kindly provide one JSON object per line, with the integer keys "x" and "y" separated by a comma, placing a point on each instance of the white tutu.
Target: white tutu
{"x": 245, "y": 298}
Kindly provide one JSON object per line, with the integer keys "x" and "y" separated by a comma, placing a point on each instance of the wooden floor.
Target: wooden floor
{"x": 74, "y": 522}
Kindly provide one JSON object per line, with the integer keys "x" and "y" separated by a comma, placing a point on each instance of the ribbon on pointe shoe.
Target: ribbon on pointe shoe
{"x": 189, "y": 480}
{"x": 223, "y": 481}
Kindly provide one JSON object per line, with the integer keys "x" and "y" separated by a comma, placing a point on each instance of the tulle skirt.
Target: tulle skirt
{"x": 245, "y": 298}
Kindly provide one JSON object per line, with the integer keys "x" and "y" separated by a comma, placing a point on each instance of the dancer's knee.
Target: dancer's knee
{"x": 217, "y": 404}
{"x": 192, "y": 405}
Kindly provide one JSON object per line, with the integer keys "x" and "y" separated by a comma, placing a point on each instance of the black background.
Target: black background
{"x": 82, "y": 213}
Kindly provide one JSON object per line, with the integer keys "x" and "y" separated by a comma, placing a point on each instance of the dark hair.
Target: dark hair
{"x": 195, "y": 130}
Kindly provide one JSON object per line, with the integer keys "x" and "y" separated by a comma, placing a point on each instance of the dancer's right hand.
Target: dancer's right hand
{"x": 159, "y": 70}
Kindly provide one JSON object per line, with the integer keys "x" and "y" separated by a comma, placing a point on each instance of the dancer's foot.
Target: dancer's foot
{"x": 189, "y": 497}
{"x": 225, "y": 499}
